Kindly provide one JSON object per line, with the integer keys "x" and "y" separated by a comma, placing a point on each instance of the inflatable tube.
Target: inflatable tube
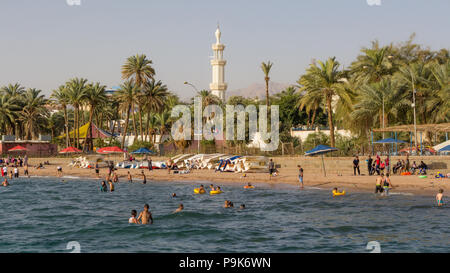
{"x": 197, "y": 191}
{"x": 423, "y": 176}
{"x": 338, "y": 193}
{"x": 215, "y": 192}
{"x": 249, "y": 187}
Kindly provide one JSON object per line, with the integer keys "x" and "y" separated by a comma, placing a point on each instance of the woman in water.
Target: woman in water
{"x": 439, "y": 198}
{"x": 103, "y": 187}
{"x": 133, "y": 219}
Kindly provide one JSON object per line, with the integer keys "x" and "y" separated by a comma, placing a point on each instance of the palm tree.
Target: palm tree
{"x": 95, "y": 97}
{"x": 266, "y": 67}
{"x": 33, "y": 112}
{"x": 139, "y": 69}
{"x": 8, "y": 113}
{"x": 163, "y": 121}
{"x": 373, "y": 65}
{"x": 375, "y": 97}
{"x": 76, "y": 93}
{"x": 61, "y": 98}
{"x": 14, "y": 92}
{"x": 153, "y": 96}
{"x": 439, "y": 102}
{"x": 325, "y": 81}
{"x": 125, "y": 97}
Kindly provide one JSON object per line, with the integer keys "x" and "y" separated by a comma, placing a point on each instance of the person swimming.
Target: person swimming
{"x": 211, "y": 187}
{"x": 133, "y": 219}
{"x": 439, "y": 198}
{"x": 174, "y": 195}
{"x": 242, "y": 206}
{"x": 103, "y": 187}
{"x": 180, "y": 208}
{"x": 144, "y": 181}
{"x": 228, "y": 204}
{"x": 145, "y": 216}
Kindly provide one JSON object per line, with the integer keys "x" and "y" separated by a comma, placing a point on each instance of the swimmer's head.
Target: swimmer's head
{"x": 181, "y": 206}
{"x": 146, "y": 206}
{"x": 335, "y": 189}
{"x": 441, "y": 191}
{"x": 174, "y": 195}
{"x": 133, "y": 213}
{"x": 243, "y": 206}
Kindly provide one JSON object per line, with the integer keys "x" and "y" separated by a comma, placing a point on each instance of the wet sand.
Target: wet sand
{"x": 288, "y": 175}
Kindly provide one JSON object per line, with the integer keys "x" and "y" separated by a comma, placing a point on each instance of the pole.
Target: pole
{"x": 323, "y": 166}
{"x": 414, "y": 106}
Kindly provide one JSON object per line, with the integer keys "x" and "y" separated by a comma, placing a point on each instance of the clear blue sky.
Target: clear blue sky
{"x": 43, "y": 43}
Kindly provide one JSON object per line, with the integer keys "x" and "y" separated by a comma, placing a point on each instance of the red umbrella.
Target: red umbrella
{"x": 18, "y": 148}
{"x": 110, "y": 150}
{"x": 70, "y": 150}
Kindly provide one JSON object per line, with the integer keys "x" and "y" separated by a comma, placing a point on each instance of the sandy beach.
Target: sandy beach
{"x": 341, "y": 177}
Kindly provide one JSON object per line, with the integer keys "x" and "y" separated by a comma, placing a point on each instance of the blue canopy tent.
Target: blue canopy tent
{"x": 321, "y": 150}
{"x": 143, "y": 151}
{"x": 390, "y": 141}
{"x": 445, "y": 149}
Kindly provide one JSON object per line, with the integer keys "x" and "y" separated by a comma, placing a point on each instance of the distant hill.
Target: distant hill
{"x": 258, "y": 90}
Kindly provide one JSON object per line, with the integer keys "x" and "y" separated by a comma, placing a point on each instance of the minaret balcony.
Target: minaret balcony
{"x": 218, "y": 86}
{"x": 218, "y": 62}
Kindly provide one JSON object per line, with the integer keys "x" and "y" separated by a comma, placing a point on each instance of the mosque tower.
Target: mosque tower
{"x": 218, "y": 85}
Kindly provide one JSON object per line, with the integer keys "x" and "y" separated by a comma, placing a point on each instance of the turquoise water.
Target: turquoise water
{"x": 44, "y": 214}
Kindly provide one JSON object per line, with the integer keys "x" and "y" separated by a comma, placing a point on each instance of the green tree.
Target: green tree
{"x": 266, "y": 67}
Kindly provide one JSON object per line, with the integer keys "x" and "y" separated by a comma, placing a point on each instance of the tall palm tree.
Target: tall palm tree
{"x": 373, "y": 65}
{"x": 33, "y": 111}
{"x": 138, "y": 69}
{"x": 76, "y": 92}
{"x": 266, "y": 67}
{"x": 15, "y": 91}
{"x": 95, "y": 97}
{"x": 125, "y": 97}
{"x": 325, "y": 81}
{"x": 61, "y": 98}
{"x": 440, "y": 99}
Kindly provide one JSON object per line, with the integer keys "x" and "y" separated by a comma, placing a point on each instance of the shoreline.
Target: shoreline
{"x": 360, "y": 184}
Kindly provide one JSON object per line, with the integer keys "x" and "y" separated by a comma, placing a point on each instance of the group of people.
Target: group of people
{"x": 380, "y": 166}
{"x": 15, "y": 161}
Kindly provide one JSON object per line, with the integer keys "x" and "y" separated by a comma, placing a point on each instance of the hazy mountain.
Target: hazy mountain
{"x": 258, "y": 90}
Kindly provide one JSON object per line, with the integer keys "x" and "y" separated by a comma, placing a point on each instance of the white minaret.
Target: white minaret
{"x": 218, "y": 85}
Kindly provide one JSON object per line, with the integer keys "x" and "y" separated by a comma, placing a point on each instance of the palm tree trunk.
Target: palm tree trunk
{"x": 66, "y": 125}
{"x": 126, "y": 127}
{"x": 89, "y": 132}
{"x": 267, "y": 92}
{"x": 134, "y": 122}
{"x": 313, "y": 117}
{"x": 140, "y": 123}
{"x": 330, "y": 120}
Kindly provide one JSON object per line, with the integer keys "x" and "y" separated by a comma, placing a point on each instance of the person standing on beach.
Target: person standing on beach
{"x": 59, "y": 171}
{"x": 369, "y": 165}
{"x": 97, "y": 170}
{"x": 271, "y": 168}
{"x": 356, "y": 166}
{"x": 300, "y": 175}
{"x": 16, "y": 172}
{"x": 150, "y": 165}
{"x": 145, "y": 216}
{"x": 387, "y": 162}
{"x": 439, "y": 198}
{"x": 25, "y": 172}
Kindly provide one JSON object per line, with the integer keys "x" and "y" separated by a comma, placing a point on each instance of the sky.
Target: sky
{"x": 43, "y": 43}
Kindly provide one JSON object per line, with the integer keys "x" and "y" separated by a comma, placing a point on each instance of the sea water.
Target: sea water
{"x": 53, "y": 214}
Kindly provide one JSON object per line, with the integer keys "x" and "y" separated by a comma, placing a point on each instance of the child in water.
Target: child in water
{"x": 180, "y": 208}
{"x": 111, "y": 186}
{"x": 133, "y": 219}
{"x": 439, "y": 198}
{"x": 5, "y": 183}
{"x": 145, "y": 216}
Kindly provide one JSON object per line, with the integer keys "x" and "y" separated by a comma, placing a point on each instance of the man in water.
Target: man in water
{"x": 439, "y": 198}
{"x": 387, "y": 184}
{"x": 111, "y": 186}
{"x": 180, "y": 208}
{"x": 103, "y": 187}
{"x": 145, "y": 216}
{"x": 242, "y": 206}
{"x": 144, "y": 177}
{"x": 115, "y": 177}
{"x": 300, "y": 175}
{"x": 130, "y": 179}
{"x": 378, "y": 187}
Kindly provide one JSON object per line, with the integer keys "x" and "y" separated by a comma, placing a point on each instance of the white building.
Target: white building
{"x": 218, "y": 85}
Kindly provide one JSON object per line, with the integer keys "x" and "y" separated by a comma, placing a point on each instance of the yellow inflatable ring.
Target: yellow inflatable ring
{"x": 338, "y": 193}
{"x": 249, "y": 187}
{"x": 197, "y": 191}
{"x": 215, "y": 192}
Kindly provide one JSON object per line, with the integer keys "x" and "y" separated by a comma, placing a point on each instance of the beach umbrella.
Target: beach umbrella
{"x": 143, "y": 151}
{"x": 70, "y": 150}
{"x": 445, "y": 149}
{"x": 18, "y": 148}
{"x": 110, "y": 150}
{"x": 321, "y": 150}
